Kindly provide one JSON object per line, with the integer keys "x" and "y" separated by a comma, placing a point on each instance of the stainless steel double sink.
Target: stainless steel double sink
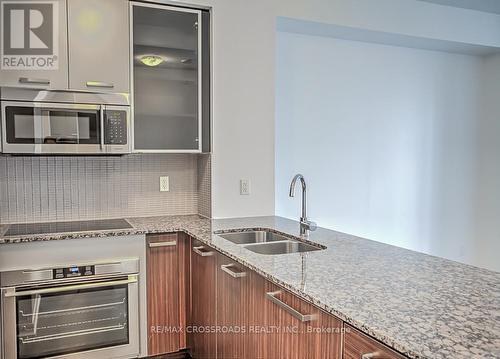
{"x": 268, "y": 243}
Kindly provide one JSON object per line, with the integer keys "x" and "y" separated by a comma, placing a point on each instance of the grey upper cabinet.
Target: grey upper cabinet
{"x": 35, "y": 58}
{"x": 99, "y": 45}
{"x": 76, "y": 45}
{"x": 167, "y": 78}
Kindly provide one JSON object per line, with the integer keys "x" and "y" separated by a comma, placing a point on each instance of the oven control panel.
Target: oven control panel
{"x": 72, "y": 271}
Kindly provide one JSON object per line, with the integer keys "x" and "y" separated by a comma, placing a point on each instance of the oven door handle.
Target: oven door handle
{"x": 129, "y": 280}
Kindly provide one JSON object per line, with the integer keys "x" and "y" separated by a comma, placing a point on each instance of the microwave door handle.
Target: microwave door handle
{"x": 76, "y": 134}
{"x": 39, "y": 127}
{"x": 102, "y": 127}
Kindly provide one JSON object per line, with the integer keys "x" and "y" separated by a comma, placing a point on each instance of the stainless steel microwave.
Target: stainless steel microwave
{"x": 51, "y": 122}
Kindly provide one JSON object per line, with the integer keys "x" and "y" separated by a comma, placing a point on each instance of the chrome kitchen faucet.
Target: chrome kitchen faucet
{"x": 305, "y": 224}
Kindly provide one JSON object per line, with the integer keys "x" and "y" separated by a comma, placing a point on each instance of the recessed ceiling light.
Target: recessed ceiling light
{"x": 152, "y": 60}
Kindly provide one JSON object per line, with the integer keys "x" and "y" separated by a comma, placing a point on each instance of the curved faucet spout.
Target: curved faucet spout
{"x": 294, "y": 180}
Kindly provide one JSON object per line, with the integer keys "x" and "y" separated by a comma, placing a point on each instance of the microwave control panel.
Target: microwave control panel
{"x": 72, "y": 271}
{"x": 115, "y": 127}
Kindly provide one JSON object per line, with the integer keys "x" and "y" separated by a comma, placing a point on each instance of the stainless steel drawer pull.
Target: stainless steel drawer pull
{"x": 99, "y": 84}
{"x": 373, "y": 355}
{"x": 202, "y": 251}
{"x": 130, "y": 279}
{"x": 272, "y": 296}
{"x": 72, "y": 334}
{"x": 225, "y": 268}
{"x": 162, "y": 244}
{"x": 29, "y": 80}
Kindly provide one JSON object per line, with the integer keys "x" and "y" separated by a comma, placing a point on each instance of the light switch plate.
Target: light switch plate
{"x": 244, "y": 187}
{"x": 164, "y": 184}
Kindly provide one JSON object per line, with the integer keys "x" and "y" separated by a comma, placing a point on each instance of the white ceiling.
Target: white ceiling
{"x": 480, "y": 5}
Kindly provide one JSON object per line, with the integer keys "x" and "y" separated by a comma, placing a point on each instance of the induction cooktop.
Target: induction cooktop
{"x": 20, "y": 229}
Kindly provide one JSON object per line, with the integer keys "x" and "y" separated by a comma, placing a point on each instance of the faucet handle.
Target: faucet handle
{"x": 308, "y": 225}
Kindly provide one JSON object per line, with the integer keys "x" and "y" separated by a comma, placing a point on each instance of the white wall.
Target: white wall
{"x": 389, "y": 139}
{"x": 244, "y": 77}
{"x": 488, "y": 200}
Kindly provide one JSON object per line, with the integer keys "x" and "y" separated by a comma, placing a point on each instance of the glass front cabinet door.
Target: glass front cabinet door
{"x": 167, "y": 78}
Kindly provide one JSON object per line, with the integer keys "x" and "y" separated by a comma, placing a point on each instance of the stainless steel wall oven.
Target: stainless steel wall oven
{"x": 84, "y": 311}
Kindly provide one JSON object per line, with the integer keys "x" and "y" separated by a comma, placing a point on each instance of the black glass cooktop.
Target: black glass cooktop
{"x": 20, "y": 229}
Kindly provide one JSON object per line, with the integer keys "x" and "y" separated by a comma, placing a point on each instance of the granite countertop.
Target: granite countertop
{"x": 422, "y": 306}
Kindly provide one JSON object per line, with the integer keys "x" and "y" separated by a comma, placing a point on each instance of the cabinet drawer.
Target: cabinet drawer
{"x": 162, "y": 240}
{"x": 202, "y": 343}
{"x": 304, "y": 331}
{"x": 360, "y": 346}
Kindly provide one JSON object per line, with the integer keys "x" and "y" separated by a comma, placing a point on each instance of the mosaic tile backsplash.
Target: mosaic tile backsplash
{"x": 205, "y": 185}
{"x": 37, "y": 189}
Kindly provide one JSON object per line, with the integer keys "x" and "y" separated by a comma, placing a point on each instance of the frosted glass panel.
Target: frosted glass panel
{"x": 166, "y": 87}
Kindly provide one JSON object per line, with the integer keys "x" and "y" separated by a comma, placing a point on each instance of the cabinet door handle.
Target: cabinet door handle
{"x": 99, "y": 84}
{"x": 372, "y": 355}
{"x": 162, "y": 244}
{"x": 272, "y": 296}
{"x": 29, "y": 80}
{"x": 202, "y": 251}
{"x": 225, "y": 268}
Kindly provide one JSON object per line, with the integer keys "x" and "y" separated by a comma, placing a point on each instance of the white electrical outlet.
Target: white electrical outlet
{"x": 164, "y": 184}
{"x": 244, "y": 187}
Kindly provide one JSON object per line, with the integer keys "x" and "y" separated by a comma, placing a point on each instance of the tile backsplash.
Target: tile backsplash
{"x": 204, "y": 185}
{"x": 37, "y": 189}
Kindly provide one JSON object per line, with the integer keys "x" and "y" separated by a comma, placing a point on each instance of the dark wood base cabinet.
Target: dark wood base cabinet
{"x": 201, "y": 330}
{"x": 167, "y": 292}
{"x": 297, "y": 328}
{"x": 257, "y": 319}
{"x": 232, "y": 309}
{"x": 227, "y": 311}
{"x": 358, "y": 345}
